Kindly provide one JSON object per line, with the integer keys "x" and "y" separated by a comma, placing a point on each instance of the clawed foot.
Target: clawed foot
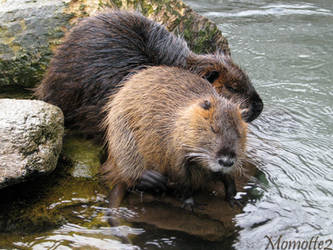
{"x": 235, "y": 202}
{"x": 153, "y": 181}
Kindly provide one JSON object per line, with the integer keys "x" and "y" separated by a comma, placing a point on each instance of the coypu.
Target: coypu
{"x": 169, "y": 121}
{"x": 100, "y": 51}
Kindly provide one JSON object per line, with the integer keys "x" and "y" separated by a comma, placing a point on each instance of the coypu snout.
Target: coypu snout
{"x": 253, "y": 108}
{"x": 226, "y": 161}
{"x": 227, "y": 157}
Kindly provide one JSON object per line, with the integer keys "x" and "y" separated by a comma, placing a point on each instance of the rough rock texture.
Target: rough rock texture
{"x": 31, "y": 30}
{"x": 30, "y": 139}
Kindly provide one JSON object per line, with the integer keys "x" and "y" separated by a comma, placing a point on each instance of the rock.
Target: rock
{"x": 31, "y": 139}
{"x": 31, "y": 30}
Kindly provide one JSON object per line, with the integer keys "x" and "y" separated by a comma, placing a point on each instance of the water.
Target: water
{"x": 286, "y": 47}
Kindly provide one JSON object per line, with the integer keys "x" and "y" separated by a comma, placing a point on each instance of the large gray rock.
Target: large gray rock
{"x": 31, "y": 135}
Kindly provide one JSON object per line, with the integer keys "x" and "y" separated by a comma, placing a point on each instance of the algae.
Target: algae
{"x": 83, "y": 155}
{"x": 25, "y": 69}
{"x": 12, "y": 92}
{"x": 48, "y": 202}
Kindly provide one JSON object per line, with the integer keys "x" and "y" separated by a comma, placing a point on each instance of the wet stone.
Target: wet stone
{"x": 31, "y": 139}
{"x": 83, "y": 155}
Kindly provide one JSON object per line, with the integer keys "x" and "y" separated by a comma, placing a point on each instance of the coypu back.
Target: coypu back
{"x": 172, "y": 121}
{"x": 95, "y": 57}
{"x": 101, "y": 51}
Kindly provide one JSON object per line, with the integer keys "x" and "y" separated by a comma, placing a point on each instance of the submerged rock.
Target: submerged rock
{"x": 31, "y": 30}
{"x": 31, "y": 139}
{"x": 83, "y": 155}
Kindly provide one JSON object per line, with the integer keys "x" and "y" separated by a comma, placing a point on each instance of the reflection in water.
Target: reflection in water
{"x": 287, "y": 48}
{"x": 73, "y": 236}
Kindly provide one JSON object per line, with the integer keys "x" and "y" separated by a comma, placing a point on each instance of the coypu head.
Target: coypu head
{"x": 229, "y": 80}
{"x": 214, "y": 135}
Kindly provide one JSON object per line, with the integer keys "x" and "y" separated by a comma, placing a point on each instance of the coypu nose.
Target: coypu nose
{"x": 258, "y": 106}
{"x": 226, "y": 161}
{"x": 253, "y": 111}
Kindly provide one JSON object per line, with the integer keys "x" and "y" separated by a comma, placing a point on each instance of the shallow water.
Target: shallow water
{"x": 286, "y": 47}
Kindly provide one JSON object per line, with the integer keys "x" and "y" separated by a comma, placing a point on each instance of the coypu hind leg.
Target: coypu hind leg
{"x": 117, "y": 191}
{"x": 116, "y": 196}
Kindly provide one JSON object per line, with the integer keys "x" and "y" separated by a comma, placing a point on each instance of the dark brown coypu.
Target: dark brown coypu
{"x": 100, "y": 51}
{"x": 171, "y": 121}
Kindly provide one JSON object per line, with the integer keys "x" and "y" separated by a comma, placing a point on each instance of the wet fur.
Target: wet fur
{"x": 169, "y": 120}
{"x": 100, "y": 51}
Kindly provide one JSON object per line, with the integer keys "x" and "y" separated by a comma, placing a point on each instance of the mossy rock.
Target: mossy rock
{"x": 83, "y": 156}
{"x": 31, "y": 30}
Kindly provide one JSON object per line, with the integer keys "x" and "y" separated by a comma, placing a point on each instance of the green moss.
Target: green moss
{"x": 50, "y": 201}
{"x": 25, "y": 69}
{"x": 13, "y": 92}
{"x": 82, "y": 7}
{"x": 83, "y": 155}
{"x": 117, "y": 3}
{"x": 147, "y": 9}
{"x": 203, "y": 41}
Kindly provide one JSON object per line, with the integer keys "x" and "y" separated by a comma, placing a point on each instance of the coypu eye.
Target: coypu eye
{"x": 211, "y": 76}
{"x": 214, "y": 130}
{"x": 205, "y": 105}
{"x": 231, "y": 89}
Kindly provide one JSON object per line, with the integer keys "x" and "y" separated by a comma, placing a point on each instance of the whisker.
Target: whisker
{"x": 197, "y": 156}
{"x": 195, "y": 149}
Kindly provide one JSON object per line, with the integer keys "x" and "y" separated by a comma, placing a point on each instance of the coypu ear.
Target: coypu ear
{"x": 211, "y": 76}
{"x": 205, "y": 104}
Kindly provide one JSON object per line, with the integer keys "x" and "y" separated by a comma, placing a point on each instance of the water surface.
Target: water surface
{"x": 286, "y": 47}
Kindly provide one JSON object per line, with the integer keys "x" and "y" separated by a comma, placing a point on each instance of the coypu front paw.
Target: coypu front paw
{"x": 153, "y": 181}
{"x": 234, "y": 202}
{"x": 230, "y": 190}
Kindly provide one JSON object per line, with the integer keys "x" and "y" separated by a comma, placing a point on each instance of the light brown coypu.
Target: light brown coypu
{"x": 100, "y": 51}
{"x": 169, "y": 121}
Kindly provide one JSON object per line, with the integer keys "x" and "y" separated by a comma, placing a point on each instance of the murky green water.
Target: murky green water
{"x": 286, "y": 47}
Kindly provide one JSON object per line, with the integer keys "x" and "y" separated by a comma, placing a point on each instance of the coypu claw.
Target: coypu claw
{"x": 152, "y": 180}
{"x": 229, "y": 186}
{"x": 234, "y": 202}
